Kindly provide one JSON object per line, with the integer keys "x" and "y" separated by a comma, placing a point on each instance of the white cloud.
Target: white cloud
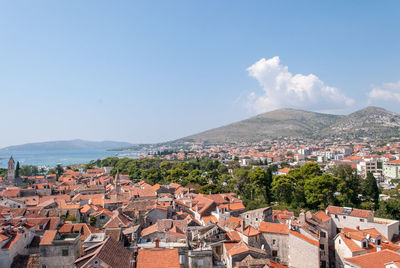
{"x": 282, "y": 89}
{"x": 385, "y": 92}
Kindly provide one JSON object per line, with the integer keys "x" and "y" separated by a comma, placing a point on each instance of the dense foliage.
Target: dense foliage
{"x": 303, "y": 187}
{"x": 3, "y": 172}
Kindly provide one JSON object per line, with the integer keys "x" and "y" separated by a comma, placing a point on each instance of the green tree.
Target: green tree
{"x": 320, "y": 191}
{"x": 351, "y": 186}
{"x": 261, "y": 181}
{"x": 311, "y": 170}
{"x": 3, "y": 172}
{"x": 29, "y": 170}
{"x": 59, "y": 170}
{"x": 389, "y": 209}
{"x": 92, "y": 221}
{"x": 370, "y": 189}
{"x": 283, "y": 188}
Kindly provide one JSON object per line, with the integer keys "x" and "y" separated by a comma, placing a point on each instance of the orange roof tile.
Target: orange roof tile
{"x": 375, "y": 259}
{"x": 361, "y": 213}
{"x": 48, "y": 237}
{"x": 322, "y": 216}
{"x": 270, "y": 227}
{"x": 158, "y": 258}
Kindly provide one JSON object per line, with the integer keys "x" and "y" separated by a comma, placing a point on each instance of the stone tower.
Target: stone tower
{"x": 11, "y": 169}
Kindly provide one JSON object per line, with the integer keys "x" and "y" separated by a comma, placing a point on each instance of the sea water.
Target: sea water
{"x": 53, "y": 158}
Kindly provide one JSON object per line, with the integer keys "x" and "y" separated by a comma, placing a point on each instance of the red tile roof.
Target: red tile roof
{"x": 250, "y": 231}
{"x": 158, "y": 258}
{"x": 110, "y": 252}
{"x": 375, "y": 259}
{"x": 322, "y": 216}
{"x": 361, "y": 213}
{"x": 242, "y": 247}
{"x": 48, "y": 237}
{"x": 270, "y": 227}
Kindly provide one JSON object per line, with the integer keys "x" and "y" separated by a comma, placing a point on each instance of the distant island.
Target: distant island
{"x": 69, "y": 145}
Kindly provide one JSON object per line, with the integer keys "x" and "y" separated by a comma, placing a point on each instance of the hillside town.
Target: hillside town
{"x": 90, "y": 218}
{"x": 382, "y": 160}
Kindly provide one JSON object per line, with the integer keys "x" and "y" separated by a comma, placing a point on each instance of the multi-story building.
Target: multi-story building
{"x": 364, "y": 219}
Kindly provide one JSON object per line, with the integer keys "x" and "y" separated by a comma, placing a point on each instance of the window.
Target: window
{"x": 200, "y": 262}
{"x": 323, "y": 234}
{"x": 344, "y": 217}
{"x": 321, "y": 246}
{"x": 65, "y": 252}
{"x": 273, "y": 242}
{"x": 362, "y": 220}
{"x": 378, "y": 241}
{"x": 274, "y": 253}
{"x": 340, "y": 242}
{"x": 364, "y": 244}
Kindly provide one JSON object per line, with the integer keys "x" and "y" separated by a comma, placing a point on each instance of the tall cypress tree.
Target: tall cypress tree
{"x": 17, "y": 170}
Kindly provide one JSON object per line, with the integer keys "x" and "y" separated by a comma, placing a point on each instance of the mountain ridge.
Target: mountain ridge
{"x": 372, "y": 121}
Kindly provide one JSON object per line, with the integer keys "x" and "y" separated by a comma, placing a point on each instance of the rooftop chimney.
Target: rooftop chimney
{"x": 302, "y": 217}
{"x": 358, "y": 227}
{"x": 157, "y": 242}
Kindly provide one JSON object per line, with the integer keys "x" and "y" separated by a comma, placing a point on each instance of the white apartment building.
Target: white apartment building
{"x": 391, "y": 169}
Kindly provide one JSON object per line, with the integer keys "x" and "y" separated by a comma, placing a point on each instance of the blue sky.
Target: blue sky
{"x": 151, "y": 71}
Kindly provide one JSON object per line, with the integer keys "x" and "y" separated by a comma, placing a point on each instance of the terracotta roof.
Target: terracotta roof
{"x": 110, "y": 252}
{"x": 351, "y": 245}
{"x": 118, "y": 220}
{"x": 375, "y": 259}
{"x": 11, "y": 242}
{"x": 211, "y": 219}
{"x": 242, "y": 247}
{"x": 164, "y": 225}
{"x": 231, "y": 223}
{"x": 270, "y": 227}
{"x": 158, "y": 258}
{"x": 233, "y": 236}
{"x": 322, "y": 216}
{"x": 361, "y": 213}
{"x": 250, "y": 231}
{"x": 48, "y": 237}
{"x": 274, "y": 264}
